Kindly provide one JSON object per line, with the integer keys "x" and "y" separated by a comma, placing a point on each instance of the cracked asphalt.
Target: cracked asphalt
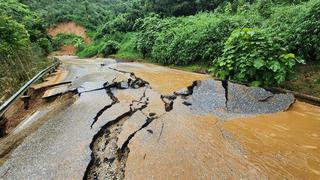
{"x": 142, "y": 121}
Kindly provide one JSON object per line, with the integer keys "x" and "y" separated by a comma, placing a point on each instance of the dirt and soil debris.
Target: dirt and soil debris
{"x": 68, "y": 28}
{"x": 109, "y": 147}
{"x": 124, "y": 123}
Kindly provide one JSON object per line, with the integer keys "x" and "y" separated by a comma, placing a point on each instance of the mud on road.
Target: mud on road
{"x": 141, "y": 121}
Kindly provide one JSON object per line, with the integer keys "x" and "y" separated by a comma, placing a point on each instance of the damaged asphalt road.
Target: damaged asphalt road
{"x": 125, "y": 124}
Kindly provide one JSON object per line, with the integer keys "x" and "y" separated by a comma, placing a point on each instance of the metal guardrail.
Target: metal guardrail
{"x": 5, "y": 106}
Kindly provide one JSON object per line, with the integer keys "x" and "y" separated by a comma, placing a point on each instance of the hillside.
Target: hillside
{"x": 160, "y": 89}
{"x": 265, "y": 42}
{"x": 58, "y": 32}
{"x": 24, "y": 45}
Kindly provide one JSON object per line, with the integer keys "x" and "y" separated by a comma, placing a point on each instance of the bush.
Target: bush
{"x": 148, "y": 33}
{"x": 306, "y": 41}
{"x": 288, "y": 25}
{"x": 250, "y": 56}
{"x": 187, "y": 40}
{"x": 67, "y": 39}
{"x": 45, "y": 45}
{"x": 128, "y": 48}
{"x": 21, "y": 47}
{"x": 13, "y": 36}
{"x": 192, "y": 41}
{"x": 94, "y": 48}
{"x": 111, "y": 47}
{"x": 30, "y": 21}
{"x": 98, "y": 46}
{"x": 119, "y": 24}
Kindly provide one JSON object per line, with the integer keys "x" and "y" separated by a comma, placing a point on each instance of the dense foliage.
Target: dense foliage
{"x": 30, "y": 21}
{"x": 111, "y": 47}
{"x": 307, "y": 34}
{"x": 23, "y": 42}
{"x": 181, "y": 7}
{"x": 268, "y": 39}
{"x": 88, "y": 13}
{"x": 13, "y": 36}
{"x": 201, "y": 38}
{"x": 67, "y": 39}
{"x": 250, "y": 56}
{"x": 186, "y": 40}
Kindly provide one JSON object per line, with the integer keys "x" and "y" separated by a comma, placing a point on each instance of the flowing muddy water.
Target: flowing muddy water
{"x": 162, "y": 79}
{"x": 284, "y": 144}
{"x": 142, "y": 121}
{"x": 280, "y": 145}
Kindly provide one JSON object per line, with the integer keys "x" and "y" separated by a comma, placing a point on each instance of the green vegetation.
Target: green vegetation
{"x": 307, "y": 34}
{"x": 30, "y": 21}
{"x": 23, "y": 45}
{"x": 259, "y": 42}
{"x": 89, "y": 13}
{"x": 128, "y": 48}
{"x": 111, "y": 47}
{"x": 198, "y": 34}
{"x": 186, "y": 40}
{"x": 250, "y": 56}
{"x": 98, "y": 46}
{"x": 180, "y": 7}
{"x": 67, "y": 39}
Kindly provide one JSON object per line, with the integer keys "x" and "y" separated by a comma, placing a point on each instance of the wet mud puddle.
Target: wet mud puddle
{"x": 141, "y": 121}
{"x": 284, "y": 145}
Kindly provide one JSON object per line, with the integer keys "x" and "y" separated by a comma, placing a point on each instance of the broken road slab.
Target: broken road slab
{"x": 142, "y": 121}
{"x": 235, "y": 100}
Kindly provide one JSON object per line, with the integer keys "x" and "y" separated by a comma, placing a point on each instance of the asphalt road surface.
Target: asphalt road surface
{"x": 143, "y": 121}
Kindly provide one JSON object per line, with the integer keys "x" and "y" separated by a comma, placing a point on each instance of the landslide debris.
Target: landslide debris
{"x": 223, "y": 99}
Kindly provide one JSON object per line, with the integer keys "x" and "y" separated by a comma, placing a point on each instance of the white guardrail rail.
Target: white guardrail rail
{"x": 6, "y": 105}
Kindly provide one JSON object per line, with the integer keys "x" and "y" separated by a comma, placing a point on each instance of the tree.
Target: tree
{"x": 13, "y": 36}
{"x": 181, "y": 7}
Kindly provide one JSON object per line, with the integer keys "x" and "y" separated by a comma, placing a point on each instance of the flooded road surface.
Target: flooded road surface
{"x": 142, "y": 121}
{"x": 283, "y": 144}
{"x": 162, "y": 79}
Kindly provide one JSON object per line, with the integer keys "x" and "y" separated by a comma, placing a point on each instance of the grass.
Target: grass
{"x": 306, "y": 80}
{"x": 91, "y": 50}
{"x": 128, "y": 51}
{"x": 16, "y": 74}
{"x": 127, "y": 48}
{"x": 198, "y": 68}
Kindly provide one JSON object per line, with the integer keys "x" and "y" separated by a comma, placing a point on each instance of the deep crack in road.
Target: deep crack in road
{"x": 127, "y": 123}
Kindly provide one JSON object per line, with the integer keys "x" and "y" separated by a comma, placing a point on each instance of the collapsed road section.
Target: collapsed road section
{"x": 109, "y": 158}
{"x": 121, "y": 125}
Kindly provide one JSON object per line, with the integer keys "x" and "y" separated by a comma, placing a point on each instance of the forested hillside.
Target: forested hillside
{"x": 259, "y": 42}
{"x": 23, "y": 45}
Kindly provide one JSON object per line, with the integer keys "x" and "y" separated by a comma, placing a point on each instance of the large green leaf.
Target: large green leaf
{"x": 259, "y": 63}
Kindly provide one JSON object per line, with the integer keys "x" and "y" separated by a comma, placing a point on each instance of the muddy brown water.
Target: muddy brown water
{"x": 178, "y": 144}
{"x": 163, "y": 80}
{"x": 280, "y": 145}
{"x": 284, "y": 144}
